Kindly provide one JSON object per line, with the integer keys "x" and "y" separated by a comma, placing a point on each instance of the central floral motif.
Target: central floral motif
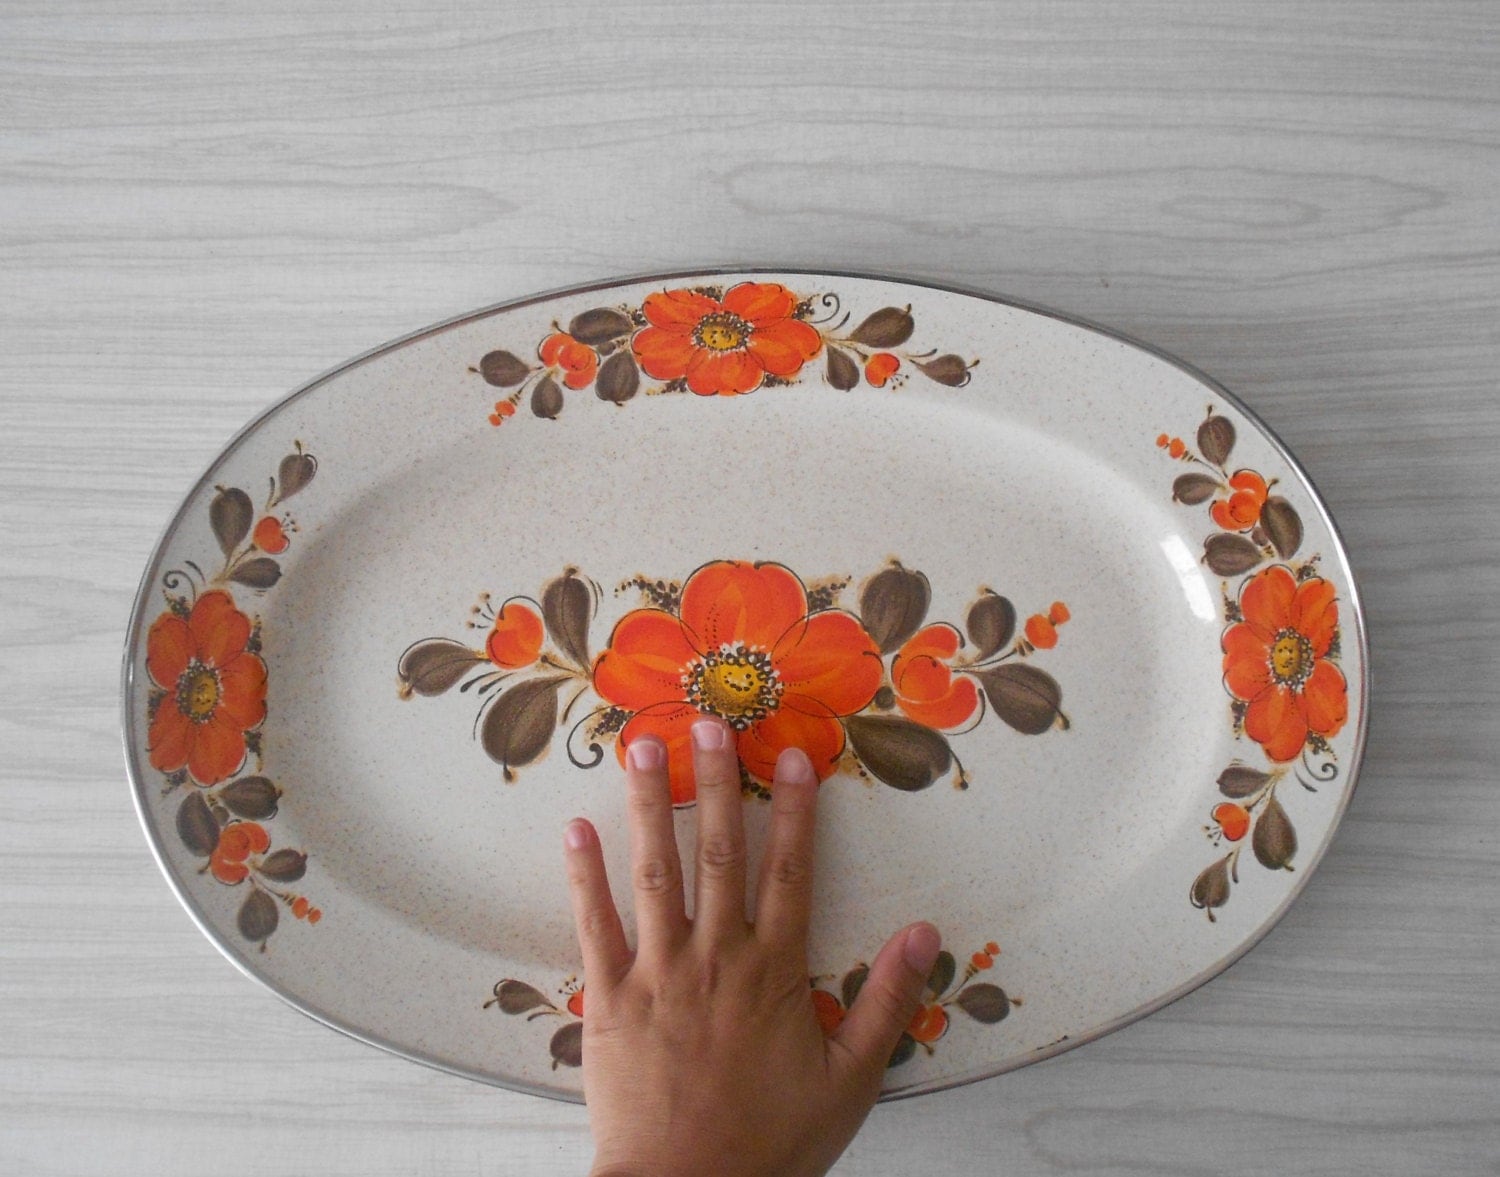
{"x": 743, "y": 646}
{"x": 723, "y": 348}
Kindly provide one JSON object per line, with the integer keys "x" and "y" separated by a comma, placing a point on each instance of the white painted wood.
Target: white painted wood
{"x": 201, "y": 206}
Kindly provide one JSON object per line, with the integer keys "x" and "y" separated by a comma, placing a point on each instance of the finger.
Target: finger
{"x": 661, "y": 922}
{"x": 719, "y": 906}
{"x": 784, "y": 902}
{"x": 889, "y": 998}
{"x": 606, "y": 956}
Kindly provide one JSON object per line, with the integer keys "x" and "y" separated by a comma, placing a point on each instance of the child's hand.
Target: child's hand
{"x": 701, "y": 1051}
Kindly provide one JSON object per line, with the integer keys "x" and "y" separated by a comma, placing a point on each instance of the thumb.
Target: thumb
{"x": 889, "y": 998}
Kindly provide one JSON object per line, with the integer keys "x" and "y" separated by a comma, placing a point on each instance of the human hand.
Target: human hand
{"x": 702, "y": 1053}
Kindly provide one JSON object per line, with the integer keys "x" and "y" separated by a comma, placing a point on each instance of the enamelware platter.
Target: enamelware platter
{"x": 1068, "y": 634}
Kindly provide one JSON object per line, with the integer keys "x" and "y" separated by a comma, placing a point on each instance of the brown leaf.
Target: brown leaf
{"x": 503, "y": 370}
{"x": 258, "y": 916}
{"x": 568, "y": 610}
{"x": 196, "y": 825}
{"x": 285, "y": 866}
{"x": 854, "y": 981}
{"x": 990, "y": 624}
{"x": 230, "y": 515}
{"x": 1216, "y": 439}
{"x": 905, "y": 755}
{"x": 1239, "y": 781}
{"x": 252, "y": 797}
{"x": 517, "y": 997}
{"x": 984, "y": 1003}
{"x": 259, "y": 573}
{"x": 618, "y": 379}
{"x": 944, "y": 969}
{"x": 950, "y": 370}
{"x": 1274, "y": 840}
{"x": 567, "y": 1046}
{"x": 547, "y": 398}
{"x": 893, "y": 604}
{"x": 905, "y": 1048}
{"x": 600, "y": 325}
{"x": 887, "y": 327}
{"x": 1283, "y": 525}
{"x": 519, "y": 724}
{"x": 294, "y": 473}
{"x": 1211, "y": 888}
{"x": 1230, "y": 555}
{"x": 433, "y": 666}
{"x": 1193, "y": 489}
{"x": 1026, "y": 698}
{"x": 843, "y": 373}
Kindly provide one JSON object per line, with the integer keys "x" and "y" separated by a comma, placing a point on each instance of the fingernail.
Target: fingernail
{"x": 710, "y": 735}
{"x": 646, "y": 753}
{"x": 576, "y": 836}
{"x": 921, "y": 951}
{"x": 793, "y": 767}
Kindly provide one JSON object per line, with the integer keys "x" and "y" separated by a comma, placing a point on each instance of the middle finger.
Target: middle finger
{"x": 719, "y": 908}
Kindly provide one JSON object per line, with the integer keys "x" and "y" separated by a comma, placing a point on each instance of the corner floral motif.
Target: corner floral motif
{"x": 207, "y": 703}
{"x": 946, "y": 991}
{"x": 1281, "y": 647}
{"x": 712, "y": 341}
{"x": 874, "y": 693}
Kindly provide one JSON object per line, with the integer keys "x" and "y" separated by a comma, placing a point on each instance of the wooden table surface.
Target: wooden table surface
{"x": 203, "y": 205}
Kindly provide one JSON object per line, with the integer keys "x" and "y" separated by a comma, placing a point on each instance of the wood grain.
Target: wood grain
{"x": 202, "y": 206}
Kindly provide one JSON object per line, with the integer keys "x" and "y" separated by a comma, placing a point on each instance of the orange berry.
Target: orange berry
{"x": 982, "y": 960}
{"x": 992, "y": 948}
{"x": 1058, "y": 613}
{"x": 270, "y": 536}
{"x": 300, "y": 906}
{"x": 516, "y": 639}
{"x": 881, "y": 367}
{"x": 314, "y": 915}
{"x": 930, "y": 1024}
{"x": 1233, "y": 819}
{"x": 1176, "y": 448}
{"x": 1161, "y": 441}
{"x": 495, "y": 419}
{"x": 575, "y": 1004}
{"x": 829, "y": 1012}
{"x": 1040, "y": 632}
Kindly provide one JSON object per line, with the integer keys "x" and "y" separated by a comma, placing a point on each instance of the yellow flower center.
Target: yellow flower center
{"x": 198, "y": 692}
{"x": 1291, "y": 658}
{"x": 738, "y": 684}
{"x": 722, "y": 332}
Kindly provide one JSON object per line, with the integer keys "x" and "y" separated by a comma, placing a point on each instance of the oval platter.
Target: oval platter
{"x": 1066, "y": 631}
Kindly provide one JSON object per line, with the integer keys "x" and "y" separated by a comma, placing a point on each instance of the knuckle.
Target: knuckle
{"x": 656, "y": 876}
{"x": 891, "y": 1003}
{"x": 596, "y": 924}
{"x": 720, "y": 855}
{"x": 792, "y": 871}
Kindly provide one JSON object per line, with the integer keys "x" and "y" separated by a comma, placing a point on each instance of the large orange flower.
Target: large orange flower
{"x": 1275, "y": 660}
{"x": 741, "y": 646}
{"x": 726, "y": 347}
{"x": 215, "y": 689}
{"x": 925, "y": 687}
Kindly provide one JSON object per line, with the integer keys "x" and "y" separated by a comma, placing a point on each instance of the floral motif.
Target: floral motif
{"x": 207, "y": 703}
{"x": 712, "y": 341}
{"x": 946, "y": 990}
{"x": 1281, "y": 649}
{"x": 869, "y": 693}
{"x": 215, "y": 689}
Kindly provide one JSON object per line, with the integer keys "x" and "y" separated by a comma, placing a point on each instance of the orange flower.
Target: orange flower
{"x": 516, "y": 639}
{"x": 1241, "y": 510}
{"x": 1276, "y": 661}
{"x": 238, "y": 842}
{"x": 216, "y": 689}
{"x": 727, "y": 347}
{"x": 577, "y": 361}
{"x": 925, "y": 687}
{"x": 742, "y": 646}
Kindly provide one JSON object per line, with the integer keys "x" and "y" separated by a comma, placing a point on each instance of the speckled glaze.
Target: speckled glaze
{"x": 1107, "y": 704}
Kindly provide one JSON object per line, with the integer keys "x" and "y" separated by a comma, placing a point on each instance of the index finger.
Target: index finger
{"x": 783, "y": 905}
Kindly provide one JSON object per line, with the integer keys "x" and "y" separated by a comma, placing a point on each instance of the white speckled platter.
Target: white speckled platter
{"x": 1068, "y": 634}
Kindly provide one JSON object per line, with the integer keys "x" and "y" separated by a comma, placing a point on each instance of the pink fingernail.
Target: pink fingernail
{"x": 710, "y": 735}
{"x": 793, "y": 767}
{"x": 921, "y": 949}
{"x": 646, "y": 753}
{"x": 576, "y": 836}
